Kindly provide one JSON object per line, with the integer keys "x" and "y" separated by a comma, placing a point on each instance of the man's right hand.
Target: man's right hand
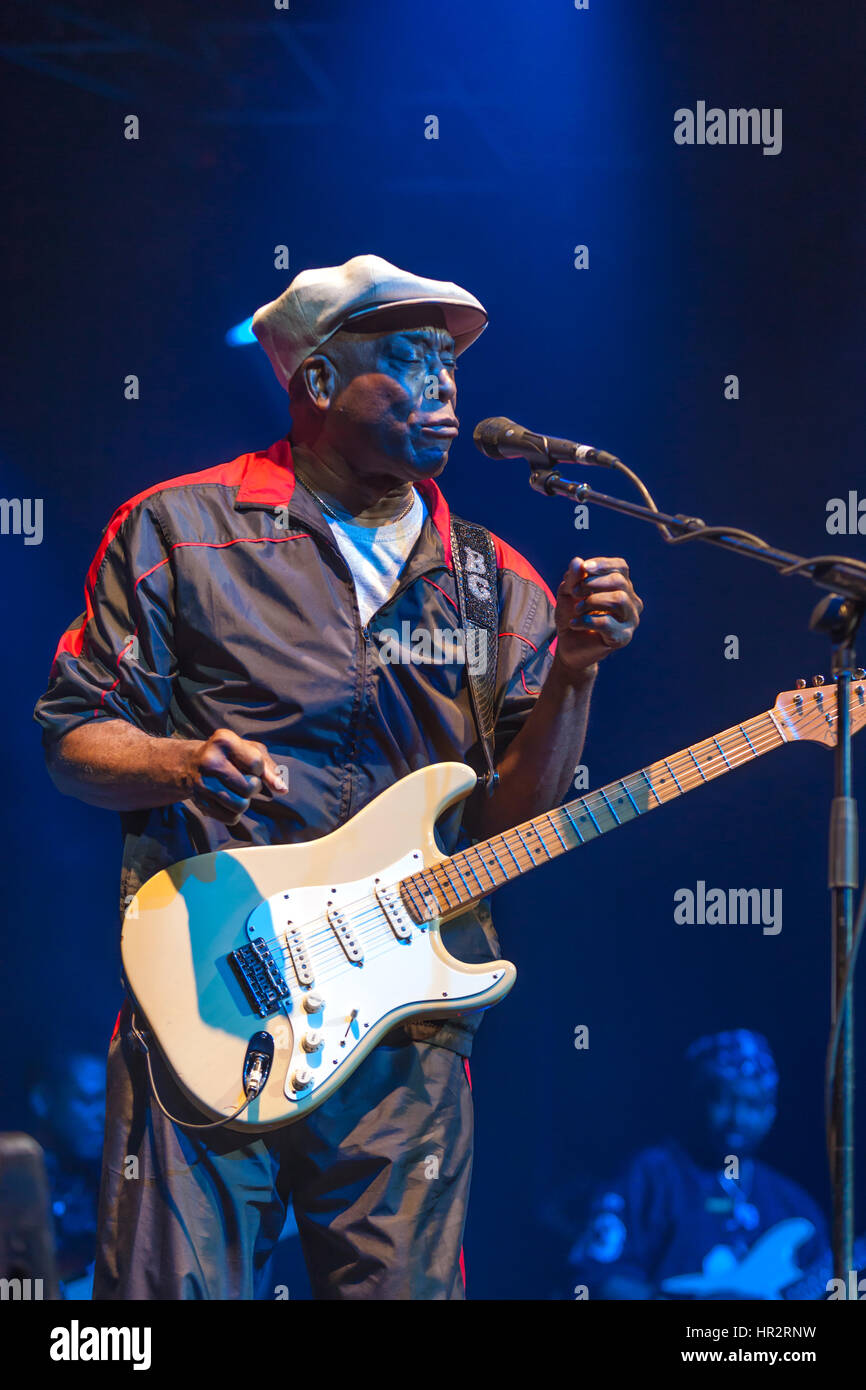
{"x": 112, "y": 763}
{"x": 226, "y": 772}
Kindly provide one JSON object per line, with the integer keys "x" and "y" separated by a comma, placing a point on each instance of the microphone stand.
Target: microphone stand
{"x": 838, "y": 615}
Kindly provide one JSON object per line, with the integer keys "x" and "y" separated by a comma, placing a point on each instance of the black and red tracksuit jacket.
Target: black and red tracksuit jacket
{"x": 220, "y": 599}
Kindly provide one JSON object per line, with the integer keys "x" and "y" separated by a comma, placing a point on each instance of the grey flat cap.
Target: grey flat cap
{"x": 319, "y": 302}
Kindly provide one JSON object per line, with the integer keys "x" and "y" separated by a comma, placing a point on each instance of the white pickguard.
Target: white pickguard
{"x": 355, "y": 997}
{"x": 205, "y": 995}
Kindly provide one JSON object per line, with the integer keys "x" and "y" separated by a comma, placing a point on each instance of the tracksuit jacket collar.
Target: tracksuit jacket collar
{"x": 269, "y": 481}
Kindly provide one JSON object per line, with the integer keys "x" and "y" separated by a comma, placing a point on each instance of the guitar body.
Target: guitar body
{"x": 315, "y": 906}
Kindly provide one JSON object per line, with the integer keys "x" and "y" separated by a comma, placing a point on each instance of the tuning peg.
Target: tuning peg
{"x": 817, "y": 680}
{"x": 800, "y": 684}
{"x": 859, "y": 674}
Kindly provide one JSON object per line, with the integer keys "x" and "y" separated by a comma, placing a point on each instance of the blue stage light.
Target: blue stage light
{"x": 241, "y": 334}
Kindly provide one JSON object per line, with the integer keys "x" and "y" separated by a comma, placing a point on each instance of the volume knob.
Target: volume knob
{"x": 313, "y": 1003}
{"x": 312, "y": 1041}
{"x": 302, "y": 1078}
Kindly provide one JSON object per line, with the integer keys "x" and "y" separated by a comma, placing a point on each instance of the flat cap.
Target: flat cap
{"x": 319, "y": 302}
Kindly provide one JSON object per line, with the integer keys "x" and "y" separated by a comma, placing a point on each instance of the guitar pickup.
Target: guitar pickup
{"x": 339, "y": 922}
{"x": 260, "y": 977}
{"x": 392, "y": 905}
{"x": 298, "y": 952}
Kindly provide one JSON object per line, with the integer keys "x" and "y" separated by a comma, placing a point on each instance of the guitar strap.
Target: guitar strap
{"x": 478, "y": 598}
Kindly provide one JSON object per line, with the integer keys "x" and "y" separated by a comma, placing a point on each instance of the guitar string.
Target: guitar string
{"x": 334, "y": 966}
{"x": 593, "y": 801}
{"x": 377, "y": 929}
{"x": 601, "y": 802}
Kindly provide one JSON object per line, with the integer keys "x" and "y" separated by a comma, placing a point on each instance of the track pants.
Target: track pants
{"x": 378, "y": 1177}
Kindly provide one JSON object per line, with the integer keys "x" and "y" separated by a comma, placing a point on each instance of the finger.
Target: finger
{"x": 581, "y": 572}
{"x": 220, "y": 804}
{"x": 613, "y": 579}
{"x": 612, "y": 632}
{"x": 608, "y": 582}
{"x": 611, "y": 584}
{"x": 617, "y": 603}
{"x": 605, "y": 564}
{"x": 217, "y": 769}
{"x": 271, "y": 774}
{"x": 254, "y": 759}
{"x": 242, "y": 752}
{"x": 573, "y": 576}
{"x": 250, "y": 758}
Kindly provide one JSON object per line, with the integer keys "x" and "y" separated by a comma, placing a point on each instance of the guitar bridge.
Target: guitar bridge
{"x": 260, "y": 977}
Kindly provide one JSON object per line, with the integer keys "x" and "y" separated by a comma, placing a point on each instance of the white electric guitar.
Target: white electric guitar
{"x": 266, "y": 975}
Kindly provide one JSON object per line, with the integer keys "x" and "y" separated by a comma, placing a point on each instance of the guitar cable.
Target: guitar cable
{"x": 255, "y": 1076}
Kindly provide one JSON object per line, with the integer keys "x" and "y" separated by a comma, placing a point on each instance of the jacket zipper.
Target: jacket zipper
{"x": 364, "y": 630}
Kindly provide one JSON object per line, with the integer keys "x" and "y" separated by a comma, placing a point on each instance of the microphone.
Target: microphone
{"x": 499, "y": 438}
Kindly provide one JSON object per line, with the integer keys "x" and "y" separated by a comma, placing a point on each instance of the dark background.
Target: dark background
{"x": 261, "y": 127}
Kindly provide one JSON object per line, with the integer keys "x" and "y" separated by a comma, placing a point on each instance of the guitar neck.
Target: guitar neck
{"x": 474, "y": 873}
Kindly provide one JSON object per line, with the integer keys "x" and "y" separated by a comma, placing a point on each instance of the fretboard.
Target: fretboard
{"x": 473, "y": 873}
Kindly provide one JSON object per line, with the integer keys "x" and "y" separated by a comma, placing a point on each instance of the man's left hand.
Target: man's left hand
{"x": 597, "y": 611}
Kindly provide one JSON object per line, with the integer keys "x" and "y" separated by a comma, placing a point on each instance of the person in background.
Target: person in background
{"x": 66, "y": 1100}
{"x": 701, "y": 1215}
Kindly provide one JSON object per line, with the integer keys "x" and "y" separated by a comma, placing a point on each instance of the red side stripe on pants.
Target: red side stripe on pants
{"x": 462, "y": 1260}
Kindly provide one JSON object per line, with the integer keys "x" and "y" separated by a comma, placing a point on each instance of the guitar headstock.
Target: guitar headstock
{"x": 810, "y": 711}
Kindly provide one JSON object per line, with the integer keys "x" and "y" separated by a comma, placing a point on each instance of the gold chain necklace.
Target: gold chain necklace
{"x": 330, "y": 511}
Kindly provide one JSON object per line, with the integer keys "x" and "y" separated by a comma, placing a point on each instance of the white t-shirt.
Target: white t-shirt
{"x": 376, "y": 554}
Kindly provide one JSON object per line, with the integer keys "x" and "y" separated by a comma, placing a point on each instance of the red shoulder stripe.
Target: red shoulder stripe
{"x": 440, "y": 514}
{"x": 507, "y": 558}
{"x": 270, "y": 471}
{"x": 229, "y": 473}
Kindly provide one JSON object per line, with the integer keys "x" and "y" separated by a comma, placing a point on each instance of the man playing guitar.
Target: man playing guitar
{"x": 227, "y": 687}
